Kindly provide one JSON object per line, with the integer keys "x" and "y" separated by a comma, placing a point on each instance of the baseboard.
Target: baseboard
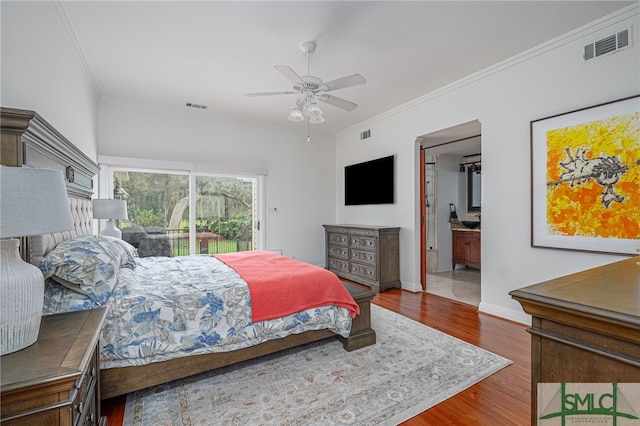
{"x": 510, "y": 314}
{"x": 414, "y": 287}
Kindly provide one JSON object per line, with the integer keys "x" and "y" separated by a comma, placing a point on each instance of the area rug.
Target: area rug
{"x": 411, "y": 368}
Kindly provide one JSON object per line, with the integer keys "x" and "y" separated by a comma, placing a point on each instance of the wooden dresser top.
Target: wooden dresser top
{"x": 611, "y": 291}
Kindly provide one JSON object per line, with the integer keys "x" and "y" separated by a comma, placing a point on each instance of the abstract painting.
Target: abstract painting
{"x": 585, "y": 178}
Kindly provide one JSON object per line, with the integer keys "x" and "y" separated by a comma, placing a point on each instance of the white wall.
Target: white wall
{"x": 42, "y": 71}
{"x": 299, "y": 182}
{"x": 546, "y": 80}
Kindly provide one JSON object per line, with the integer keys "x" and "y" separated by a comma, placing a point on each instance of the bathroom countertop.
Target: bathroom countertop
{"x": 457, "y": 226}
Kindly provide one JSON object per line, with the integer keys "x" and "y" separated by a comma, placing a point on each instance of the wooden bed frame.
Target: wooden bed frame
{"x": 119, "y": 381}
{"x": 28, "y": 140}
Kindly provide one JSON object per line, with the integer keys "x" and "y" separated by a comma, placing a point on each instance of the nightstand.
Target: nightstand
{"x": 55, "y": 381}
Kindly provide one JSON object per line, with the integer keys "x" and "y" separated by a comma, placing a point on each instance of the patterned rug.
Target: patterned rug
{"x": 411, "y": 368}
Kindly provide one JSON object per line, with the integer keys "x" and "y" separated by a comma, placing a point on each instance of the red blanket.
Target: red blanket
{"x": 281, "y": 286}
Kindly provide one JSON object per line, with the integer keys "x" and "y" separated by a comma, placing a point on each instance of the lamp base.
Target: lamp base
{"x": 22, "y": 289}
{"x": 110, "y": 230}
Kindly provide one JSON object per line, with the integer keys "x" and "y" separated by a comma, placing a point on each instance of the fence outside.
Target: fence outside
{"x": 206, "y": 243}
{"x": 175, "y": 242}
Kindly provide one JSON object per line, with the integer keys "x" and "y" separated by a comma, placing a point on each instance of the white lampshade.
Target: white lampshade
{"x": 316, "y": 119}
{"x": 312, "y": 109}
{"x": 110, "y": 209}
{"x": 296, "y": 115}
{"x": 32, "y": 202}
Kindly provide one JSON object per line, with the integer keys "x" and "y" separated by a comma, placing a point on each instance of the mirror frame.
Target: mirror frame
{"x": 473, "y": 188}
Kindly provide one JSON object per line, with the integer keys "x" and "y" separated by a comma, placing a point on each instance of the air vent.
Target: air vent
{"x": 606, "y": 45}
{"x": 623, "y": 39}
{"x": 366, "y": 134}
{"x": 197, "y": 106}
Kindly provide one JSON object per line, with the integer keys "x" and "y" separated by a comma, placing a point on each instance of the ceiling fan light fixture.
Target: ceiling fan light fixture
{"x": 310, "y": 89}
{"x": 296, "y": 114}
{"x": 316, "y": 119}
{"x": 312, "y": 109}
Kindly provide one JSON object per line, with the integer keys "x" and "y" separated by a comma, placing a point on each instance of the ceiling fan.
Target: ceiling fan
{"x": 312, "y": 89}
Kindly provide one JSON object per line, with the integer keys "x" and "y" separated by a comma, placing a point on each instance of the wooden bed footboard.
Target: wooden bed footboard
{"x": 120, "y": 381}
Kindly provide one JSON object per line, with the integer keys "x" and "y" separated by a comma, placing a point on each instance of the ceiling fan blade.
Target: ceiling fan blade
{"x": 341, "y": 83}
{"x": 338, "y": 102}
{"x": 289, "y": 73}
{"x": 270, "y": 93}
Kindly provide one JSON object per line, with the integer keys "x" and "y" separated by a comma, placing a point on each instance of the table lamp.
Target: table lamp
{"x": 32, "y": 202}
{"x": 110, "y": 210}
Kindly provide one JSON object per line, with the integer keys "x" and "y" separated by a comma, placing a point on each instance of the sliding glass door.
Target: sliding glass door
{"x": 178, "y": 213}
{"x": 224, "y": 214}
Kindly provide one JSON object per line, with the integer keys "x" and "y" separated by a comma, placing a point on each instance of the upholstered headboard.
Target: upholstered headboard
{"x": 40, "y": 245}
{"x": 30, "y": 141}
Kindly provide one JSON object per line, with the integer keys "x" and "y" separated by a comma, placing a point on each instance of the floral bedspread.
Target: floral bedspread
{"x": 170, "y": 307}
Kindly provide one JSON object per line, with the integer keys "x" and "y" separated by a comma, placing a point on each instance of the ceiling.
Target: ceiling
{"x": 167, "y": 53}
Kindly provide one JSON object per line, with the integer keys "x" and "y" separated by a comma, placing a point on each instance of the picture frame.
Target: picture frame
{"x": 585, "y": 179}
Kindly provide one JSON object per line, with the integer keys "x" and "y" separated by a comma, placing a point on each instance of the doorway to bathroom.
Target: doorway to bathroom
{"x": 449, "y": 200}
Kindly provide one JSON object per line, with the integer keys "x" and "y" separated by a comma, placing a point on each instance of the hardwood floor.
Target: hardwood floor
{"x": 501, "y": 399}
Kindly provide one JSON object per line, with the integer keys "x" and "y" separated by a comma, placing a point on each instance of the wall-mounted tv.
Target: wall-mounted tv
{"x": 371, "y": 182}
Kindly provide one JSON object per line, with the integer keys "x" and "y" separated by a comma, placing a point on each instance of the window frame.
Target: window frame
{"x": 108, "y": 164}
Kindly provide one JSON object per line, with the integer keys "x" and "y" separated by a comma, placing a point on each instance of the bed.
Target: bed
{"x": 119, "y": 267}
{"x": 169, "y": 317}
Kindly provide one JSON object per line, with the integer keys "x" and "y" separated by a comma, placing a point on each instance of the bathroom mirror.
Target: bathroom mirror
{"x": 474, "y": 179}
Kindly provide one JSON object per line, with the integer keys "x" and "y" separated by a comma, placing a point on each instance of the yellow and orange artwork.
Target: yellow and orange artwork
{"x": 593, "y": 178}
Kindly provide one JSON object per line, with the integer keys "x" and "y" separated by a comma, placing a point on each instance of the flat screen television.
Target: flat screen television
{"x": 371, "y": 182}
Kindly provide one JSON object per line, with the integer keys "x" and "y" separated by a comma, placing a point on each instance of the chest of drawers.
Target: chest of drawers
{"x": 585, "y": 328}
{"x": 367, "y": 255}
{"x": 55, "y": 381}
